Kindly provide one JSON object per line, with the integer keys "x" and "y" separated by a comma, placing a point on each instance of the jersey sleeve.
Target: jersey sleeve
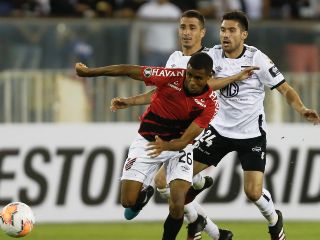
{"x": 159, "y": 76}
{"x": 209, "y": 112}
{"x": 170, "y": 62}
{"x": 268, "y": 74}
{"x": 211, "y": 54}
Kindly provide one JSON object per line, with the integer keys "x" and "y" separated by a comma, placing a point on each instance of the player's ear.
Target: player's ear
{"x": 244, "y": 35}
{"x": 203, "y": 32}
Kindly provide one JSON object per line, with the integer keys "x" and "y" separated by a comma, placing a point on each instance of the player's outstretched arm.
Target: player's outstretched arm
{"x": 159, "y": 145}
{"x": 122, "y": 103}
{"x": 223, "y": 82}
{"x": 132, "y": 71}
{"x": 294, "y": 100}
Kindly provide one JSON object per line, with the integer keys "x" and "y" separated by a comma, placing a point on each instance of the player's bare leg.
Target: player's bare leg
{"x": 134, "y": 198}
{"x": 253, "y": 182}
{"x": 174, "y": 221}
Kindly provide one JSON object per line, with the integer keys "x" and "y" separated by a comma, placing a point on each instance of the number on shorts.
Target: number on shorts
{"x": 185, "y": 157}
{"x": 207, "y": 137}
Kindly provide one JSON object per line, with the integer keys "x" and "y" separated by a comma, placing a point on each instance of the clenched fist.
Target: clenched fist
{"x": 82, "y": 70}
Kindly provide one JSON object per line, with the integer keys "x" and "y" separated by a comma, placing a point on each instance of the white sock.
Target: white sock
{"x": 164, "y": 192}
{"x": 266, "y": 207}
{"x": 198, "y": 181}
{"x": 211, "y": 228}
{"x": 190, "y": 212}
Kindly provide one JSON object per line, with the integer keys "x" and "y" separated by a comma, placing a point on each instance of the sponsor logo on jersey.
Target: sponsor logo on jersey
{"x": 218, "y": 69}
{"x": 147, "y": 72}
{"x": 174, "y": 86}
{"x": 185, "y": 168}
{"x": 167, "y": 72}
{"x": 274, "y": 71}
{"x": 256, "y": 149}
{"x": 200, "y": 102}
{"x": 230, "y": 91}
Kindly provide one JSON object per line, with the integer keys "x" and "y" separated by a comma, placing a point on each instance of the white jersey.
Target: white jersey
{"x": 178, "y": 60}
{"x": 241, "y": 114}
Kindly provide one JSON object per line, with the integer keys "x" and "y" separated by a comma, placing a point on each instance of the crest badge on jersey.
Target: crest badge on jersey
{"x": 274, "y": 71}
{"x": 147, "y": 72}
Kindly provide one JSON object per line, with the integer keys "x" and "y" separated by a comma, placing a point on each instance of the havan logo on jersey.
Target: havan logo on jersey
{"x": 148, "y": 72}
{"x": 230, "y": 91}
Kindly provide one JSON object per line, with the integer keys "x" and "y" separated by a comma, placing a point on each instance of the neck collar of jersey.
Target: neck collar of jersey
{"x": 200, "y": 50}
{"x": 241, "y": 54}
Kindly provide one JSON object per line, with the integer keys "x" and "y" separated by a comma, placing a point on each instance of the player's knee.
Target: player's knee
{"x": 253, "y": 194}
{"x": 128, "y": 202}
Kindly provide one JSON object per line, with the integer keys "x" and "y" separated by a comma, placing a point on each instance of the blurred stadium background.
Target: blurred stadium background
{"x": 61, "y": 149}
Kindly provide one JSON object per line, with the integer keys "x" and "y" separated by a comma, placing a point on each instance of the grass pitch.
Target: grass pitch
{"x": 153, "y": 231}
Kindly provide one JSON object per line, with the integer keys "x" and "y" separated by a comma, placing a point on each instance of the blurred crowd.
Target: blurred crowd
{"x": 255, "y": 9}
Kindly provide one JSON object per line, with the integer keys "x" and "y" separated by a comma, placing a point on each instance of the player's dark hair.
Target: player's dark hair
{"x": 194, "y": 14}
{"x": 238, "y": 16}
{"x": 201, "y": 60}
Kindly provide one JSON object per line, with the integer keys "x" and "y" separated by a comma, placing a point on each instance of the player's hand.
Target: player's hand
{"x": 310, "y": 115}
{"x": 119, "y": 103}
{"x": 81, "y": 69}
{"x": 157, "y": 147}
{"x": 246, "y": 73}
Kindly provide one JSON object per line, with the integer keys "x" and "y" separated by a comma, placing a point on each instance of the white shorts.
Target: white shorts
{"x": 142, "y": 168}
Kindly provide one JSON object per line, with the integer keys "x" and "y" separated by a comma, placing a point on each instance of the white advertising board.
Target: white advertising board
{"x": 70, "y": 173}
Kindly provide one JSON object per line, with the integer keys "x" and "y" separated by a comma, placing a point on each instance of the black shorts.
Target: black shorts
{"x": 212, "y": 147}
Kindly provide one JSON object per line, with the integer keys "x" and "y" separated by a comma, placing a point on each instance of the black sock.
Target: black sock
{"x": 140, "y": 201}
{"x": 171, "y": 227}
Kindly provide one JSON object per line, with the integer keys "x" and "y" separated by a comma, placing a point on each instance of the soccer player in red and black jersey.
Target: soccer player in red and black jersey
{"x": 181, "y": 108}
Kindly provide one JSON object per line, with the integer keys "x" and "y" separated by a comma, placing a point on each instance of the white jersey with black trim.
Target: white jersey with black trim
{"x": 241, "y": 114}
{"x": 178, "y": 60}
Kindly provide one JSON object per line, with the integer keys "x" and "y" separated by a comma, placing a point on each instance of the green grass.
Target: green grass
{"x": 153, "y": 230}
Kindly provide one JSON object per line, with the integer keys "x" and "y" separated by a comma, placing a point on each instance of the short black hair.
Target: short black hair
{"x": 194, "y": 14}
{"x": 201, "y": 60}
{"x": 238, "y": 16}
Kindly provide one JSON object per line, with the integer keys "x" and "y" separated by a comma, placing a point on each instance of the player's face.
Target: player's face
{"x": 232, "y": 36}
{"x": 196, "y": 80}
{"x": 190, "y": 32}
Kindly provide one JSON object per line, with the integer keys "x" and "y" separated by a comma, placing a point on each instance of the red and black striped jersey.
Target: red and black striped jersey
{"x": 172, "y": 109}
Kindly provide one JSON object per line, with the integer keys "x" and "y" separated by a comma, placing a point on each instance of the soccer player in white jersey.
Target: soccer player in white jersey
{"x": 191, "y": 32}
{"x": 240, "y": 124}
